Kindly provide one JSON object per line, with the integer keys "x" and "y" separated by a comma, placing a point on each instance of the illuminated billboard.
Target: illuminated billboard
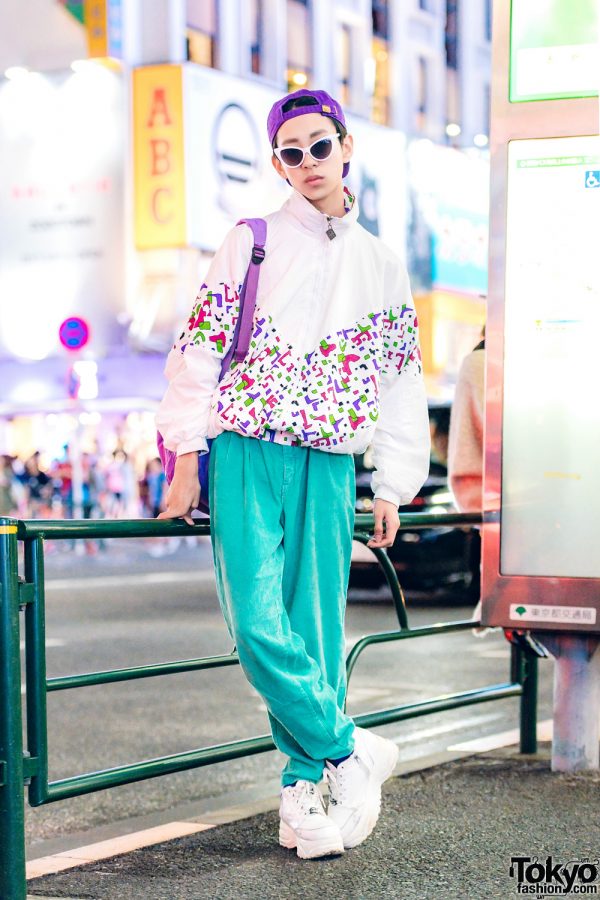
{"x": 554, "y": 50}
{"x": 551, "y": 419}
{"x": 62, "y": 138}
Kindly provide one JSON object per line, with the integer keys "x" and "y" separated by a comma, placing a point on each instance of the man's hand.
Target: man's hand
{"x": 386, "y": 517}
{"x": 183, "y": 495}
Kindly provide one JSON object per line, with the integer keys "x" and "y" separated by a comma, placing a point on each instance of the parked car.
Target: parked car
{"x": 430, "y": 559}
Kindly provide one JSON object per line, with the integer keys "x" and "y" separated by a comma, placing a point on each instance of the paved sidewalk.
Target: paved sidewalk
{"x": 445, "y": 833}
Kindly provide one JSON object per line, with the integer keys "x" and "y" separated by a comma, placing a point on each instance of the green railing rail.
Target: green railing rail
{"x": 26, "y": 762}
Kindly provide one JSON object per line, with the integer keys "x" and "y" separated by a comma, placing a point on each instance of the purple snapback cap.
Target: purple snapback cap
{"x": 324, "y": 104}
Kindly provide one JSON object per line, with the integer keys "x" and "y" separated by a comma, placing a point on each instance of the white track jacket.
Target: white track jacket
{"x": 334, "y": 360}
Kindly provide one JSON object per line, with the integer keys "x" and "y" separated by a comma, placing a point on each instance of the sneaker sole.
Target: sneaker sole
{"x": 367, "y": 823}
{"x": 333, "y": 846}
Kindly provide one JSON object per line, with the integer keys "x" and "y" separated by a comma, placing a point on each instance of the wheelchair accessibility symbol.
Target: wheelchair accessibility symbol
{"x": 592, "y": 178}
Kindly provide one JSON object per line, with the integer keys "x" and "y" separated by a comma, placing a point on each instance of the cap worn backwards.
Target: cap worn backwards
{"x": 323, "y": 104}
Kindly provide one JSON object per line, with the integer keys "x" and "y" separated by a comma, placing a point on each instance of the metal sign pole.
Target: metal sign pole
{"x": 576, "y": 716}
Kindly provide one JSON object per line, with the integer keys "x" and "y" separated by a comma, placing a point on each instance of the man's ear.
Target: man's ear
{"x": 347, "y": 148}
{"x": 278, "y": 167}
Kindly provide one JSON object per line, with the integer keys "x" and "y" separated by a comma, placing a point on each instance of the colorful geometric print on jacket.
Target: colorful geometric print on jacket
{"x": 321, "y": 399}
{"x": 217, "y": 313}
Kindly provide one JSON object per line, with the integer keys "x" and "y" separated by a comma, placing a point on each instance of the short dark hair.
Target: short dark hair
{"x": 297, "y": 102}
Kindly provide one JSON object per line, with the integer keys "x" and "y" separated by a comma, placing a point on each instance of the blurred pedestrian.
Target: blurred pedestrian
{"x": 465, "y": 443}
{"x": 154, "y": 483}
{"x": 62, "y": 482}
{"x": 334, "y": 364}
{"x": 465, "y": 453}
{"x": 89, "y": 486}
{"x": 8, "y": 500}
{"x": 19, "y": 490}
{"x": 38, "y": 488}
{"x": 120, "y": 483}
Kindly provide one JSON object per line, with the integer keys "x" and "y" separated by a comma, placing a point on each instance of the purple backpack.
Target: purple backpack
{"x": 238, "y": 350}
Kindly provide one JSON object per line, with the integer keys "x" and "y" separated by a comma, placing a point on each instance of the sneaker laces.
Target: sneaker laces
{"x": 336, "y": 782}
{"x": 334, "y": 793}
{"x": 307, "y": 797}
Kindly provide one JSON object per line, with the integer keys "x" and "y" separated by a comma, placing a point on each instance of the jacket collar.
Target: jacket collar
{"x": 308, "y": 217}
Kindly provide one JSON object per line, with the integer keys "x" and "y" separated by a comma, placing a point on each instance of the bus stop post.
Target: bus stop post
{"x": 576, "y": 729}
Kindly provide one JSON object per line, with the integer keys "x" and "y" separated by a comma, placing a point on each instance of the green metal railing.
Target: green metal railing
{"x": 21, "y": 764}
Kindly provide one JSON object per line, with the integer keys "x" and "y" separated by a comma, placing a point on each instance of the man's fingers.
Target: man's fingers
{"x": 172, "y": 515}
{"x": 378, "y": 539}
{"x": 177, "y": 514}
{"x": 385, "y": 538}
{"x": 180, "y": 504}
{"x": 391, "y": 530}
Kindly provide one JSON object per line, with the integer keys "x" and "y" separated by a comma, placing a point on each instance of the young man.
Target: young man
{"x": 333, "y": 366}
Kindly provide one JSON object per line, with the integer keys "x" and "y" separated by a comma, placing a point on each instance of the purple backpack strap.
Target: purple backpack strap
{"x": 248, "y": 299}
{"x": 243, "y": 331}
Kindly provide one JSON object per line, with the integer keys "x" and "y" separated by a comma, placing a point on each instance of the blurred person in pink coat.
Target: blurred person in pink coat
{"x": 465, "y": 442}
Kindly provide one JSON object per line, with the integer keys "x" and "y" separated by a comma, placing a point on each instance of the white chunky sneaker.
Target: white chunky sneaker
{"x": 304, "y": 823}
{"x": 355, "y": 785}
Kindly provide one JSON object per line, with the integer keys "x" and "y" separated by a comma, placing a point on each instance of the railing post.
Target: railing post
{"x": 528, "y": 705}
{"x": 12, "y": 801}
{"x": 35, "y": 667}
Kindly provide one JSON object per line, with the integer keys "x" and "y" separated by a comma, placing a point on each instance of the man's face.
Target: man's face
{"x": 315, "y": 179}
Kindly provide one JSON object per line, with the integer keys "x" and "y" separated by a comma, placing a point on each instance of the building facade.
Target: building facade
{"x": 420, "y": 66}
{"x": 415, "y": 65}
{"x": 412, "y": 76}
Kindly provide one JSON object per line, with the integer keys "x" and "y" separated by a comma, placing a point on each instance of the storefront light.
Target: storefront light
{"x": 87, "y": 372}
{"x": 90, "y": 418}
{"x": 24, "y": 104}
{"x": 481, "y": 140}
{"x": 452, "y": 129}
{"x": 299, "y": 78}
{"x": 15, "y": 72}
{"x": 370, "y": 71}
{"x": 29, "y": 392}
{"x": 82, "y": 65}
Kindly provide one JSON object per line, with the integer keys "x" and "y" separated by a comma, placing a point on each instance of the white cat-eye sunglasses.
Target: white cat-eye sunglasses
{"x": 292, "y": 157}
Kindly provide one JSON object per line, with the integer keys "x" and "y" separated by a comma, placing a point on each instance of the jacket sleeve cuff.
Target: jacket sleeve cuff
{"x": 386, "y": 493}
{"x": 199, "y": 444}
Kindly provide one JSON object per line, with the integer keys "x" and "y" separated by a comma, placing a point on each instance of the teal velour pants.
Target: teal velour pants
{"x": 282, "y": 519}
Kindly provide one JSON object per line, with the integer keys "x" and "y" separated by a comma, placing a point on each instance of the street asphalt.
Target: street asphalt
{"x": 449, "y": 831}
